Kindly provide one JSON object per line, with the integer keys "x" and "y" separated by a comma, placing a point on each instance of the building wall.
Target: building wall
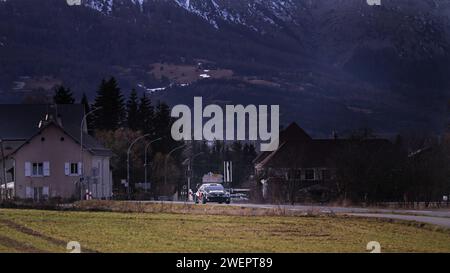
{"x": 54, "y": 146}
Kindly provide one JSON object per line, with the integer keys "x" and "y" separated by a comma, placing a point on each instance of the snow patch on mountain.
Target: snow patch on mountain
{"x": 104, "y": 6}
{"x": 248, "y": 13}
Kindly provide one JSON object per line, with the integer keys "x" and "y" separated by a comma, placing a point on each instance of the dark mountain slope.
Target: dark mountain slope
{"x": 329, "y": 63}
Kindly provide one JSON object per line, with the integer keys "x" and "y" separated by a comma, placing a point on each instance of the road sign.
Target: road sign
{"x": 227, "y": 171}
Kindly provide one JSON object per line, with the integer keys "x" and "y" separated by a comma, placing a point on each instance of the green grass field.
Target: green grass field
{"x": 49, "y": 231}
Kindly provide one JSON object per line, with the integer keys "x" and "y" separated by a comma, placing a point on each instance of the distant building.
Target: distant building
{"x": 212, "y": 178}
{"x": 302, "y": 167}
{"x": 42, "y": 154}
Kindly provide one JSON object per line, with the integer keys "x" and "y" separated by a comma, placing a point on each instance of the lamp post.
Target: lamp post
{"x": 4, "y": 170}
{"x": 191, "y": 172}
{"x": 81, "y": 140}
{"x": 128, "y": 162}
{"x": 165, "y": 161}
{"x": 145, "y": 161}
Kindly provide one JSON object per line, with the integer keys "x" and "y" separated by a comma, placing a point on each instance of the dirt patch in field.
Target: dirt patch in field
{"x": 31, "y": 232}
{"x": 19, "y": 246}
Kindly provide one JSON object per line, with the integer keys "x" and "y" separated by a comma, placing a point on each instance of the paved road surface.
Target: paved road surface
{"x": 440, "y": 221}
{"x": 436, "y": 217}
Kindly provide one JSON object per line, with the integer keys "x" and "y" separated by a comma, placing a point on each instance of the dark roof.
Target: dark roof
{"x": 10, "y": 146}
{"x": 20, "y": 122}
{"x": 298, "y": 151}
{"x": 293, "y": 133}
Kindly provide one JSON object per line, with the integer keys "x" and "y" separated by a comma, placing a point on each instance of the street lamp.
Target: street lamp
{"x": 145, "y": 161}
{"x": 4, "y": 169}
{"x": 165, "y": 161}
{"x": 81, "y": 140}
{"x": 128, "y": 162}
{"x": 191, "y": 172}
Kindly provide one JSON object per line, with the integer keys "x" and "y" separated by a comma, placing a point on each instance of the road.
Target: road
{"x": 439, "y": 221}
{"x": 436, "y": 217}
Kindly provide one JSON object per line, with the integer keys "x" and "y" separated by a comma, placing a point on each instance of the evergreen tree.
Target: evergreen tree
{"x": 146, "y": 116}
{"x": 162, "y": 124}
{"x": 133, "y": 111}
{"x": 63, "y": 95}
{"x": 162, "y": 116}
{"x": 110, "y": 100}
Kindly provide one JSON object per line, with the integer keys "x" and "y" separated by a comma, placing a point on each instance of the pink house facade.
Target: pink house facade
{"x": 49, "y": 163}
